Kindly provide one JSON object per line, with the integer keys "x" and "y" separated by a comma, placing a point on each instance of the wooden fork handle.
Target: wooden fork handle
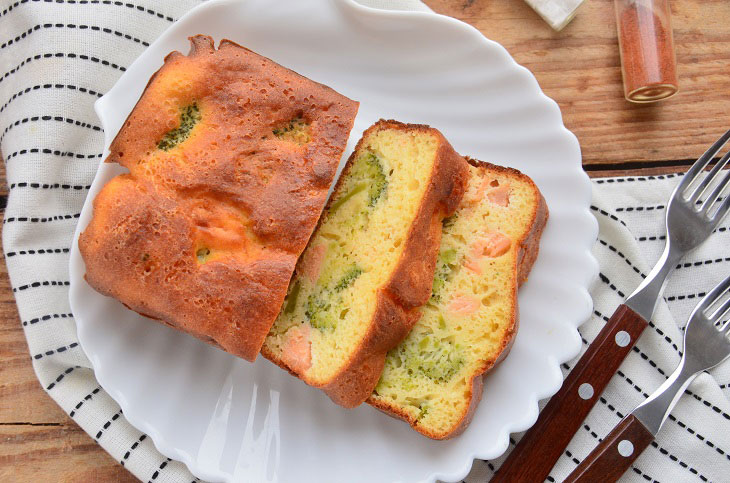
{"x": 542, "y": 445}
{"x": 614, "y": 455}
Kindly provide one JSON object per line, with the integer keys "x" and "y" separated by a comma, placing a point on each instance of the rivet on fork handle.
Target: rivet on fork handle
{"x": 687, "y": 227}
{"x": 705, "y": 346}
{"x": 545, "y": 441}
{"x": 614, "y": 454}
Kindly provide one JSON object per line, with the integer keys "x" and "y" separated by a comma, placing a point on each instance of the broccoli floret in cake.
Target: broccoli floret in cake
{"x": 373, "y": 170}
{"x": 428, "y": 355}
{"x": 359, "y": 188}
{"x": 202, "y": 254}
{"x": 445, "y": 264}
{"x": 367, "y": 173}
{"x": 319, "y": 310}
{"x": 349, "y": 277}
{"x": 189, "y": 117}
{"x": 292, "y": 296}
{"x": 295, "y": 131}
{"x": 325, "y": 303}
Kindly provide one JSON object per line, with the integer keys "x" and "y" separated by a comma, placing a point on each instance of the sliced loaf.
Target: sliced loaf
{"x": 370, "y": 264}
{"x": 433, "y": 379}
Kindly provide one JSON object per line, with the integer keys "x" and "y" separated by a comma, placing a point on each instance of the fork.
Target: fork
{"x": 694, "y": 210}
{"x": 705, "y": 346}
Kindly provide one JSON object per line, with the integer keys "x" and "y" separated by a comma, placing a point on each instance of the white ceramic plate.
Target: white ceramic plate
{"x": 229, "y": 420}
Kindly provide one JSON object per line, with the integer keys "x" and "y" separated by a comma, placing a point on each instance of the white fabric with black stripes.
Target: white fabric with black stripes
{"x": 58, "y": 56}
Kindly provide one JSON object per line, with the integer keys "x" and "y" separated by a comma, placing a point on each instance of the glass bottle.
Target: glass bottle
{"x": 648, "y": 62}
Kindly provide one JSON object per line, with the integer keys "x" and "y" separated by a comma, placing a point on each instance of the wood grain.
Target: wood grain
{"x": 542, "y": 445}
{"x": 578, "y": 67}
{"x": 38, "y": 441}
{"x": 61, "y": 452}
{"x": 607, "y": 463}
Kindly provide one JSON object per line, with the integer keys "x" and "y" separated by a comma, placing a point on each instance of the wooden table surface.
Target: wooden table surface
{"x": 578, "y": 67}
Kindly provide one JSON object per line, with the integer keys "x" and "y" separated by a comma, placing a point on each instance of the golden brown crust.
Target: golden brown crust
{"x": 233, "y": 186}
{"x": 356, "y": 381}
{"x": 529, "y": 247}
{"x": 411, "y": 282}
{"x": 412, "y": 279}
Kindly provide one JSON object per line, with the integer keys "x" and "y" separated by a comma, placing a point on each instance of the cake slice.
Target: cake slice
{"x": 230, "y": 160}
{"x": 433, "y": 379}
{"x": 371, "y": 261}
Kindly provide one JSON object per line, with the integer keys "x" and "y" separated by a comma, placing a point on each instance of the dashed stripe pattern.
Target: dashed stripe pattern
{"x": 67, "y": 120}
{"x": 58, "y": 350}
{"x": 40, "y": 219}
{"x": 133, "y": 6}
{"x": 132, "y": 448}
{"x": 49, "y": 140}
{"x": 46, "y": 317}
{"x": 60, "y": 377}
{"x": 157, "y": 472}
{"x": 49, "y": 86}
{"x": 39, "y": 251}
{"x": 645, "y": 394}
{"x": 106, "y": 425}
{"x": 634, "y": 179}
{"x": 60, "y": 110}
{"x": 44, "y": 283}
{"x": 61, "y": 55}
{"x": 86, "y": 398}
{"x": 55, "y": 152}
{"x": 50, "y": 186}
{"x": 93, "y": 28}
{"x": 621, "y": 271}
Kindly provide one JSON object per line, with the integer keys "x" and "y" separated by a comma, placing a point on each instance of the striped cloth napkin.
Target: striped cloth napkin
{"x": 59, "y": 56}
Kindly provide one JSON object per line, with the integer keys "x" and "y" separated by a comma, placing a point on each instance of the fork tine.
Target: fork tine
{"x": 711, "y": 176}
{"x": 701, "y": 163}
{"x": 720, "y": 312}
{"x": 712, "y": 296}
{"x": 724, "y": 207}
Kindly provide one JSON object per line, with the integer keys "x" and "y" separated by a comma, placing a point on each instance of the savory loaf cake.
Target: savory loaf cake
{"x": 433, "y": 379}
{"x": 230, "y": 159}
{"x": 371, "y": 261}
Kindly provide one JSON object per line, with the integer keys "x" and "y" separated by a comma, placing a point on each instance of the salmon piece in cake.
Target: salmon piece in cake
{"x": 370, "y": 264}
{"x": 433, "y": 378}
{"x": 230, "y": 160}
